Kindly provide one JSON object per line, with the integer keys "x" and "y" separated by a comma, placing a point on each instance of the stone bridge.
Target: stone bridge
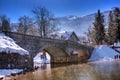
{"x": 55, "y": 47}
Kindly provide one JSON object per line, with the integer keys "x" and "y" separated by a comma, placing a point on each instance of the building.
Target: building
{"x": 69, "y": 36}
{"x": 65, "y": 36}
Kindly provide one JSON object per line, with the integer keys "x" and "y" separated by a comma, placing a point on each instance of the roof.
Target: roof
{"x": 56, "y": 52}
{"x": 67, "y": 35}
{"x": 8, "y": 45}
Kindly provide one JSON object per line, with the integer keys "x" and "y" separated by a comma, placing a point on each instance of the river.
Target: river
{"x": 101, "y": 70}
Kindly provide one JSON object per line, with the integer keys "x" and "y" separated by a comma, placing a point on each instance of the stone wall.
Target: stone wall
{"x": 13, "y": 60}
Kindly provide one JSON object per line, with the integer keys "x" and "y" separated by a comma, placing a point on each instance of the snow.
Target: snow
{"x": 103, "y": 52}
{"x": 72, "y": 17}
{"x": 117, "y": 44}
{"x": 8, "y": 45}
{"x": 75, "y": 52}
{"x": 65, "y": 35}
{"x": 4, "y": 72}
{"x": 38, "y": 59}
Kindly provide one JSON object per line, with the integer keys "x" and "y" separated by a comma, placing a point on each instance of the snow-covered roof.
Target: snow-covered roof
{"x": 65, "y": 35}
{"x": 8, "y": 45}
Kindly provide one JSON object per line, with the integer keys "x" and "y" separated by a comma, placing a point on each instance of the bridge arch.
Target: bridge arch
{"x": 57, "y": 54}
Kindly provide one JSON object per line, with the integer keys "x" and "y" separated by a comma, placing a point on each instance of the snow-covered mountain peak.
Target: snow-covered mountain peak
{"x": 79, "y": 24}
{"x": 72, "y": 17}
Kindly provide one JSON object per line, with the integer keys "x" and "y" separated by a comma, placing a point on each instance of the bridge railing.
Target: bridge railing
{"x": 40, "y": 38}
{"x": 49, "y": 40}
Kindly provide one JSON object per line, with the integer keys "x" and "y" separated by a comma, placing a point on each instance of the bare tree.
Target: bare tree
{"x": 33, "y": 31}
{"x": 4, "y": 23}
{"x": 24, "y": 24}
{"x": 91, "y": 35}
{"x": 45, "y": 20}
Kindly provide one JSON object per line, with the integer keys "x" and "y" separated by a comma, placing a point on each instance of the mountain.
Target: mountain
{"x": 74, "y": 23}
{"x": 78, "y": 24}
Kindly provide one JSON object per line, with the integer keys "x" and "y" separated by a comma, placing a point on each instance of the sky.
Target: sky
{"x": 17, "y": 8}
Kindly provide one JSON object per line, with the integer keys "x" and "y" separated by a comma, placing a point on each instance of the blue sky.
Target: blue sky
{"x": 16, "y": 8}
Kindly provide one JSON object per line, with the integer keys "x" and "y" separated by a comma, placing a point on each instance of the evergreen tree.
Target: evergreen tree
{"x": 111, "y": 35}
{"x": 99, "y": 28}
{"x": 116, "y": 24}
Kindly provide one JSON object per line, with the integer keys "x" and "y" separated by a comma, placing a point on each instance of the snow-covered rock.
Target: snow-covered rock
{"x": 8, "y": 45}
{"x": 38, "y": 58}
{"x": 103, "y": 52}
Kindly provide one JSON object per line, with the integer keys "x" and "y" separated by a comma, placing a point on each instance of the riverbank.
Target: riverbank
{"x": 9, "y": 72}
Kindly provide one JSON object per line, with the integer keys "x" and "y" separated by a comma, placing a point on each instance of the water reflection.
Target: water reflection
{"x": 108, "y": 70}
{"x": 89, "y": 71}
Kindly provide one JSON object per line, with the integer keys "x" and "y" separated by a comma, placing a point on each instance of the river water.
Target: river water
{"x": 102, "y": 70}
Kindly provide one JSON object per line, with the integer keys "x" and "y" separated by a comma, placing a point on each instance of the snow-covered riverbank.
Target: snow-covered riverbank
{"x": 8, "y": 45}
{"x": 8, "y": 72}
{"x": 103, "y": 52}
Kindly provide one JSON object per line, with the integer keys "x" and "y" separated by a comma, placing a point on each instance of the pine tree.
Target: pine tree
{"x": 111, "y": 35}
{"x": 116, "y": 24}
{"x": 99, "y": 28}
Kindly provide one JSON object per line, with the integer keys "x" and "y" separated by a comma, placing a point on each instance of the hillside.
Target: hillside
{"x": 78, "y": 24}
{"x": 74, "y": 23}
